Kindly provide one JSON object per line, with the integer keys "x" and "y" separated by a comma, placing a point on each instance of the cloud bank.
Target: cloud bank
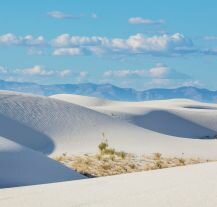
{"x": 139, "y": 44}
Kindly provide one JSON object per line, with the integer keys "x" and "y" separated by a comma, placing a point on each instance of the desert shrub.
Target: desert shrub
{"x": 103, "y": 146}
{"x": 159, "y": 164}
{"x": 132, "y": 166}
{"x": 157, "y": 156}
{"x": 112, "y": 157}
{"x": 99, "y": 157}
{"x": 111, "y": 163}
{"x": 109, "y": 151}
{"x": 106, "y": 150}
{"x": 181, "y": 161}
{"x": 121, "y": 154}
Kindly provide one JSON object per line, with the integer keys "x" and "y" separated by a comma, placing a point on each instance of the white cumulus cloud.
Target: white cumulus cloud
{"x": 67, "y": 51}
{"x": 36, "y": 70}
{"x": 61, "y": 15}
{"x": 135, "y": 44}
{"x": 65, "y": 40}
{"x": 140, "y": 20}
{"x": 159, "y": 71}
{"x": 28, "y": 40}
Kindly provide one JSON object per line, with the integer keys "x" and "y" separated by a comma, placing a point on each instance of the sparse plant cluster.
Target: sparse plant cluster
{"x": 157, "y": 156}
{"x": 102, "y": 165}
{"x": 104, "y": 150}
{"x": 109, "y": 161}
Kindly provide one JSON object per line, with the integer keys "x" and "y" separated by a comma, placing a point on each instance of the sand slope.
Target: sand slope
{"x": 165, "y": 124}
{"x": 32, "y": 125}
{"x": 21, "y": 166}
{"x": 53, "y": 126}
{"x": 177, "y": 117}
{"x": 188, "y": 186}
{"x": 49, "y": 125}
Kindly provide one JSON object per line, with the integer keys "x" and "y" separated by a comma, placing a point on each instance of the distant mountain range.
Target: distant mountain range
{"x": 112, "y": 92}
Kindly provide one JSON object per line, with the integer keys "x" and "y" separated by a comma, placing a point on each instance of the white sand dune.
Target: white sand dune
{"x": 21, "y": 166}
{"x": 53, "y": 127}
{"x": 50, "y": 125}
{"x": 189, "y": 186}
{"x": 164, "y": 123}
{"x": 34, "y": 123}
{"x": 178, "y": 117}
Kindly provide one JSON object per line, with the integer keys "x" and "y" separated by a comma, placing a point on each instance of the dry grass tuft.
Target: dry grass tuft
{"x": 94, "y": 165}
{"x": 157, "y": 156}
{"x": 104, "y": 149}
{"x": 109, "y": 161}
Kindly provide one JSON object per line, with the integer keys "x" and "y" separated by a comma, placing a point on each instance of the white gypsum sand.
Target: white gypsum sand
{"x": 22, "y": 166}
{"x": 187, "y": 186}
{"x": 49, "y": 127}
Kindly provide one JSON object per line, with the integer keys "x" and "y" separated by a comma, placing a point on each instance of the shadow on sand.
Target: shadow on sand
{"x": 171, "y": 124}
{"x": 24, "y": 135}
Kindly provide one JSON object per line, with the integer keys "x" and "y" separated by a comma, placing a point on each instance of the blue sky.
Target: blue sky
{"x": 132, "y": 43}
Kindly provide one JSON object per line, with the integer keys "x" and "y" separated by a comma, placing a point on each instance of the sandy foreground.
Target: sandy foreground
{"x": 188, "y": 186}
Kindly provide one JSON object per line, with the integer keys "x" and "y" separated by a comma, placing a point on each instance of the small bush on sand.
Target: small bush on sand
{"x": 108, "y": 161}
{"x": 106, "y": 150}
{"x": 181, "y": 161}
{"x": 103, "y": 146}
{"x": 99, "y": 157}
{"x": 157, "y": 156}
{"x": 159, "y": 164}
{"x": 104, "y": 164}
{"x": 121, "y": 154}
{"x": 109, "y": 151}
{"x": 132, "y": 166}
{"x": 112, "y": 157}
